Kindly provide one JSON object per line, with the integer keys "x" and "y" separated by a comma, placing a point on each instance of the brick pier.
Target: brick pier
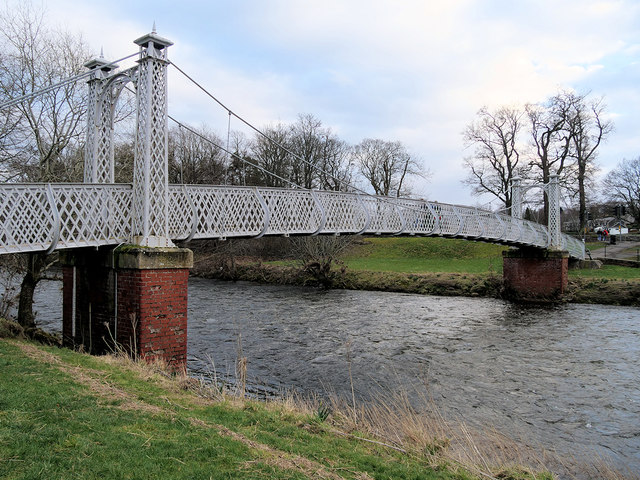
{"x": 535, "y": 275}
{"x": 132, "y": 298}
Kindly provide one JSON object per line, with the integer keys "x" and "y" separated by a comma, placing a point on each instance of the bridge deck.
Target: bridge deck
{"x": 45, "y": 217}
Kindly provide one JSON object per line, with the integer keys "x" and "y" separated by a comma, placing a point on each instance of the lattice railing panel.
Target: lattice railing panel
{"x": 215, "y": 212}
{"x": 38, "y": 216}
{"x": 344, "y": 212}
{"x": 291, "y": 212}
{"x": 181, "y": 213}
{"x": 93, "y": 215}
{"x": 449, "y": 221}
{"x": 26, "y": 219}
{"x": 512, "y": 228}
{"x": 35, "y": 217}
{"x": 385, "y": 215}
{"x": 418, "y": 217}
{"x": 574, "y": 246}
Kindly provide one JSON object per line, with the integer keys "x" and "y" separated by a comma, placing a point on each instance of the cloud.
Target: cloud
{"x": 412, "y": 70}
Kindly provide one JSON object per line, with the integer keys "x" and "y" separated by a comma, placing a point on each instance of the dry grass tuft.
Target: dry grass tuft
{"x": 425, "y": 433}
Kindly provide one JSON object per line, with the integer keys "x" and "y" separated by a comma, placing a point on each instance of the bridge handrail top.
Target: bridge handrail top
{"x": 252, "y": 187}
{"x": 63, "y": 184}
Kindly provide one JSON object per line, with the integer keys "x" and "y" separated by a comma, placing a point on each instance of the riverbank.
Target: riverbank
{"x": 583, "y": 287}
{"x": 70, "y": 415}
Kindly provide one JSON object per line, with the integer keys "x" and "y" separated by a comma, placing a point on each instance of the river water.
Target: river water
{"x": 566, "y": 377}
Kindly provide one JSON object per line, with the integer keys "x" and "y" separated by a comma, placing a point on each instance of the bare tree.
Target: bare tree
{"x": 317, "y": 255}
{"x": 43, "y": 133}
{"x": 306, "y": 144}
{"x": 496, "y": 158}
{"x": 588, "y": 129}
{"x": 320, "y": 159}
{"x": 271, "y": 152}
{"x": 336, "y": 164}
{"x": 194, "y": 157}
{"x": 386, "y": 166}
{"x": 240, "y": 169}
{"x": 551, "y": 137}
{"x": 34, "y": 58}
{"x": 623, "y": 185}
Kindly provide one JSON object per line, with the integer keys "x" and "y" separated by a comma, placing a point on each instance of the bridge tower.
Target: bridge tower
{"x": 532, "y": 274}
{"x": 98, "y": 149}
{"x": 133, "y": 296}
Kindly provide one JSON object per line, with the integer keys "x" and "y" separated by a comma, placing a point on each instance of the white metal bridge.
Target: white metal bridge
{"x": 36, "y": 217}
{"x": 150, "y": 212}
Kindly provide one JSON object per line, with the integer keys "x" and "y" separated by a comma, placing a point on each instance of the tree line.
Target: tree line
{"x": 561, "y": 136}
{"x": 303, "y": 154}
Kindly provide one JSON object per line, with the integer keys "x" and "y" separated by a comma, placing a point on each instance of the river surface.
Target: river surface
{"x": 566, "y": 377}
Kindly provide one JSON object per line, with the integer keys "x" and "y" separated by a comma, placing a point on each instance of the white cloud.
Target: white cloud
{"x": 410, "y": 70}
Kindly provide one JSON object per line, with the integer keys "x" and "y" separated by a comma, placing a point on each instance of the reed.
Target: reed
{"x": 411, "y": 423}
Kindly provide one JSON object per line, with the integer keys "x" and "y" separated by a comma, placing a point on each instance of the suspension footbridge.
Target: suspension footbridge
{"x": 149, "y": 213}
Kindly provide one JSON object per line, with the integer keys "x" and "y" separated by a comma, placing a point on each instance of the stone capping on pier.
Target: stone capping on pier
{"x": 144, "y": 258}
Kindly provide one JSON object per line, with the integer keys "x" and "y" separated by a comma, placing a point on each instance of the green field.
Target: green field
{"x": 433, "y": 254}
{"x": 418, "y": 254}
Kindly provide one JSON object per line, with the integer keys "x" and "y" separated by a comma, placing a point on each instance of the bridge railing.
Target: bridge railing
{"x": 37, "y": 217}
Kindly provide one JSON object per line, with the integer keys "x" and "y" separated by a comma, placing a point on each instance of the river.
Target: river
{"x": 566, "y": 377}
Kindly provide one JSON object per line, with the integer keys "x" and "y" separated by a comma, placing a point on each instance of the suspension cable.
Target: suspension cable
{"x": 261, "y": 133}
{"x": 226, "y": 150}
{"x": 278, "y": 144}
{"x": 264, "y": 135}
{"x": 67, "y": 81}
{"x": 232, "y": 154}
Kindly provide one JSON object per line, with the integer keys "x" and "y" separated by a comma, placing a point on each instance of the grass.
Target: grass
{"x": 415, "y": 255}
{"x": 607, "y": 272}
{"x": 593, "y": 246}
{"x": 422, "y": 255}
{"x": 65, "y": 415}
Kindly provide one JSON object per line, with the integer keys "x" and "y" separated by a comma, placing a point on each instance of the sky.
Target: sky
{"x": 408, "y": 70}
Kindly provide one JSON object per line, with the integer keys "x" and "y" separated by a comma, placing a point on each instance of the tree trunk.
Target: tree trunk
{"x": 545, "y": 181}
{"x": 36, "y": 265}
{"x": 582, "y": 197}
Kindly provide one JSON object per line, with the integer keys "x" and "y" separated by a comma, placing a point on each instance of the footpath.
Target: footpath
{"x": 620, "y": 251}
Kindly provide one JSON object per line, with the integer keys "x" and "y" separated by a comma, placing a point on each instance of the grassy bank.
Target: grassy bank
{"x": 421, "y": 255}
{"x": 66, "y": 415}
{"x": 434, "y": 266}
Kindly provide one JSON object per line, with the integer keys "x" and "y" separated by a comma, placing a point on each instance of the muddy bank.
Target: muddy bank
{"x": 598, "y": 291}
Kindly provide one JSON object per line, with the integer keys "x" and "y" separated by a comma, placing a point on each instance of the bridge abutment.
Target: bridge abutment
{"x": 130, "y": 298}
{"x": 535, "y": 275}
